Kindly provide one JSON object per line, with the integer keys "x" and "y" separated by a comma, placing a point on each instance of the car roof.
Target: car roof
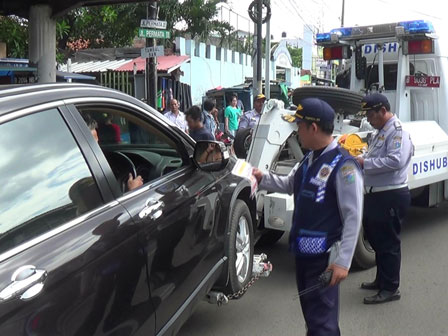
{"x": 16, "y": 97}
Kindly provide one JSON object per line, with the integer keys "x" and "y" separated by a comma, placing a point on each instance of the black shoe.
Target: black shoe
{"x": 383, "y": 296}
{"x": 370, "y": 285}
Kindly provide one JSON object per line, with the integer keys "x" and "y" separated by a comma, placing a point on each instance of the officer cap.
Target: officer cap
{"x": 374, "y": 102}
{"x": 260, "y": 96}
{"x": 314, "y": 110}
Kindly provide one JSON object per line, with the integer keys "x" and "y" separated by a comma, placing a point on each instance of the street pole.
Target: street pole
{"x": 267, "y": 78}
{"x": 151, "y": 62}
{"x": 259, "y": 44}
{"x": 342, "y": 15}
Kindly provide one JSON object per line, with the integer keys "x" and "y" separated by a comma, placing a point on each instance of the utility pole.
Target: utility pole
{"x": 342, "y": 15}
{"x": 152, "y": 12}
{"x": 267, "y": 79}
{"x": 259, "y": 88}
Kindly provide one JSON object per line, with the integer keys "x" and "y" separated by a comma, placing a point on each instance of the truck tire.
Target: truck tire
{"x": 241, "y": 143}
{"x": 269, "y": 237}
{"x": 364, "y": 256}
{"x": 342, "y": 100}
{"x": 240, "y": 248}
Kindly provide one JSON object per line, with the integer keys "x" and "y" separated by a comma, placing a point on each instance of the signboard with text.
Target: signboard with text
{"x": 145, "y": 23}
{"x": 423, "y": 81}
{"x": 154, "y": 33}
{"x": 153, "y": 51}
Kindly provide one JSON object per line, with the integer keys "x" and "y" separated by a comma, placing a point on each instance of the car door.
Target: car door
{"x": 70, "y": 261}
{"x": 175, "y": 210}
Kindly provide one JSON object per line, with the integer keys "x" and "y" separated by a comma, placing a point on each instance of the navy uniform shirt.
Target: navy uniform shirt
{"x": 388, "y": 157}
{"x": 249, "y": 119}
{"x": 350, "y": 196}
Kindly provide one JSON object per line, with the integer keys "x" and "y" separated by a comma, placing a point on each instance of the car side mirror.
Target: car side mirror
{"x": 210, "y": 155}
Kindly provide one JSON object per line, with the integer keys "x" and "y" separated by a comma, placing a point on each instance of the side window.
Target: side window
{"x": 132, "y": 143}
{"x": 390, "y": 75}
{"x": 44, "y": 177}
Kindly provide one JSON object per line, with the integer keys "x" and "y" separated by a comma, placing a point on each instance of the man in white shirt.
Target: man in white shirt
{"x": 175, "y": 116}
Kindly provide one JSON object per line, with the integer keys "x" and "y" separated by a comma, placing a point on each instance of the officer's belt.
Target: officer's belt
{"x": 370, "y": 190}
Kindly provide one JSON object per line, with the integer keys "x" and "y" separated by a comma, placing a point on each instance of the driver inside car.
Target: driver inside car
{"x": 132, "y": 183}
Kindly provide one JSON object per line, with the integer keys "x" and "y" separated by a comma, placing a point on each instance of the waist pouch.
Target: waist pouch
{"x": 310, "y": 243}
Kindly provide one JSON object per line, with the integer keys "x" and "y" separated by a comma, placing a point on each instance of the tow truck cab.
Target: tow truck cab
{"x": 407, "y": 62}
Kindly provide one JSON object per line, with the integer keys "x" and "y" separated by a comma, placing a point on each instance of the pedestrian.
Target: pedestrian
{"x": 387, "y": 197}
{"x": 197, "y": 129}
{"x": 328, "y": 194}
{"x": 208, "y": 118}
{"x": 251, "y": 118}
{"x": 231, "y": 116}
{"x": 175, "y": 116}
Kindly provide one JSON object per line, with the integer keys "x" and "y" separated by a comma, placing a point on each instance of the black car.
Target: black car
{"x": 83, "y": 253}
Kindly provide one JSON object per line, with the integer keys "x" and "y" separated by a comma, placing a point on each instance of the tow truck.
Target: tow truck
{"x": 407, "y": 62}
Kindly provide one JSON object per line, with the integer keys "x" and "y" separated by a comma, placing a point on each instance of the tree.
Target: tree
{"x": 296, "y": 55}
{"x": 14, "y": 32}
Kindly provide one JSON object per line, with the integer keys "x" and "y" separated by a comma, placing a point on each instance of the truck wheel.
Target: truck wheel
{"x": 364, "y": 256}
{"x": 242, "y": 142}
{"x": 269, "y": 237}
{"x": 240, "y": 248}
{"x": 342, "y": 100}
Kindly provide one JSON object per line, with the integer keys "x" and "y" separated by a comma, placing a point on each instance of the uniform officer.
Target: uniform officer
{"x": 328, "y": 195}
{"x": 387, "y": 196}
{"x": 251, "y": 118}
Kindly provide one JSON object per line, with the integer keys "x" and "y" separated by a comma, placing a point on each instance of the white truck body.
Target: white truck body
{"x": 423, "y": 111}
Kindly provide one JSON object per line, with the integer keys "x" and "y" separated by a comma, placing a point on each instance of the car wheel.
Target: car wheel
{"x": 342, "y": 100}
{"x": 269, "y": 237}
{"x": 364, "y": 256}
{"x": 240, "y": 247}
{"x": 242, "y": 141}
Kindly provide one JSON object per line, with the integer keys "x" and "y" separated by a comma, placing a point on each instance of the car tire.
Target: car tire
{"x": 240, "y": 248}
{"x": 269, "y": 237}
{"x": 364, "y": 256}
{"x": 342, "y": 100}
{"x": 241, "y": 143}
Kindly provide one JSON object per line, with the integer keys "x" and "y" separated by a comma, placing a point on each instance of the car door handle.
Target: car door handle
{"x": 152, "y": 210}
{"x": 26, "y": 282}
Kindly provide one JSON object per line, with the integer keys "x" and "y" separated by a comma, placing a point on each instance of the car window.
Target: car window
{"x": 127, "y": 140}
{"x": 44, "y": 177}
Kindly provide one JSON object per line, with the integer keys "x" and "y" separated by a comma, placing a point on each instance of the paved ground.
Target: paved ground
{"x": 272, "y": 308}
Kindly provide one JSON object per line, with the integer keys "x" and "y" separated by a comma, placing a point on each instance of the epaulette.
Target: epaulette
{"x": 397, "y": 125}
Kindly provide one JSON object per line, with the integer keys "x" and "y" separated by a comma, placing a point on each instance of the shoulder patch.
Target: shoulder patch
{"x": 397, "y": 142}
{"x": 397, "y": 125}
{"x": 348, "y": 174}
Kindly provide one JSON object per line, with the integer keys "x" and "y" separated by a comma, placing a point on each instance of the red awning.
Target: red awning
{"x": 164, "y": 63}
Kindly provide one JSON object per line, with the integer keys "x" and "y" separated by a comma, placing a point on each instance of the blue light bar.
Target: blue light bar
{"x": 323, "y": 37}
{"x": 417, "y": 27}
{"x": 342, "y": 31}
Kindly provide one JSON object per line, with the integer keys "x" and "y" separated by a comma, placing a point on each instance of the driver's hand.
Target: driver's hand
{"x": 134, "y": 183}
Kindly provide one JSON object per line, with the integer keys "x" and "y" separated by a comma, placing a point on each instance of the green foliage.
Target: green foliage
{"x": 296, "y": 55}
{"x": 105, "y": 26}
{"x": 14, "y": 32}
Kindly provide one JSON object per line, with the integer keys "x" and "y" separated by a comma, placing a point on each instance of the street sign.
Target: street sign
{"x": 144, "y": 23}
{"x": 423, "y": 81}
{"x": 153, "y": 51}
{"x": 154, "y": 33}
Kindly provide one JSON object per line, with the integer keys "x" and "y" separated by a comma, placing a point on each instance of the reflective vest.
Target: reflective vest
{"x": 317, "y": 223}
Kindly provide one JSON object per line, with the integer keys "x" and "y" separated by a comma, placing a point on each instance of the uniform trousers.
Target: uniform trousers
{"x": 320, "y": 307}
{"x": 383, "y": 217}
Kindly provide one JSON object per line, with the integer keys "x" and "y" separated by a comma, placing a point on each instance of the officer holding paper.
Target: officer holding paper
{"x": 328, "y": 196}
{"x": 387, "y": 197}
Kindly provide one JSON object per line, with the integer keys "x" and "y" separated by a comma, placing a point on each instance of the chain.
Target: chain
{"x": 243, "y": 290}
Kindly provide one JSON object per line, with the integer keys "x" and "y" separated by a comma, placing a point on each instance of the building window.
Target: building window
{"x": 218, "y": 53}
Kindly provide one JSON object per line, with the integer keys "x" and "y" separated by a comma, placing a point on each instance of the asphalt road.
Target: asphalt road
{"x": 271, "y": 306}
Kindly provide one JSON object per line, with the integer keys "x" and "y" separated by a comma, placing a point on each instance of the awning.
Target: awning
{"x": 164, "y": 63}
